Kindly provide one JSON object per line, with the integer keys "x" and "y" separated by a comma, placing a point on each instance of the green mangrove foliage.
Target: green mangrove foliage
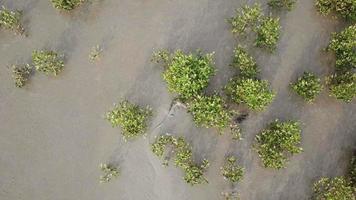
{"x": 245, "y": 63}
{"x": 343, "y": 44}
{"x": 210, "y": 111}
{"x": 193, "y": 173}
{"x": 66, "y": 4}
{"x": 308, "y": 86}
{"x": 246, "y": 19}
{"x": 109, "y": 172}
{"x": 268, "y": 33}
{"x": 254, "y": 93}
{"x": 342, "y": 85}
{"x": 11, "y": 20}
{"x": 21, "y": 74}
{"x": 337, "y": 188}
{"x": 47, "y": 62}
{"x": 343, "y": 8}
{"x": 131, "y": 118}
{"x": 231, "y": 171}
{"x": 352, "y": 171}
{"x": 279, "y": 4}
{"x": 274, "y": 142}
{"x": 186, "y": 74}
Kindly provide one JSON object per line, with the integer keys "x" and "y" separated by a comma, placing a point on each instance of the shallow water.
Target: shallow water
{"x": 54, "y": 136}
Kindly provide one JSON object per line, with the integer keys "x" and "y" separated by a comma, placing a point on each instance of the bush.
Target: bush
{"x": 245, "y": 63}
{"x": 186, "y": 74}
{"x": 48, "y": 62}
{"x": 210, "y": 111}
{"x": 11, "y": 20}
{"x": 21, "y": 74}
{"x": 333, "y": 189}
{"x": 275, "y": 141}
{"x": 254, "y": 93}
{"x": 131, "y": 118}
{"x": 308, "y": 86}
{"x": 342, "y": 86}
{"x": 343, "y": 44}
{"x": 344, "y": 8}
{"x": 194, "y": 174}
{"x": 231, "y": 171}
{"x": 66, "y": 4}
{"x": 268, "y": 33}
{"x": 109, "y": 171}
{"x": 278, "y": 4}
{"x": 246, "y": 18}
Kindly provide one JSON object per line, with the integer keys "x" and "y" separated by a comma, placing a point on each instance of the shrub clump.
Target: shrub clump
{"x": 308, "y": 86}
{"x": 275, "y": 141}
{"x": 246, "y": 18}
{"x": 344, "y": 8}
{"x": 254, "y": 93}
{"x": 193, "y": 173}
{"x": 186, "y": 74}
{"x": 210, "y": 111}
{"x": 21, "y": 74}
{"x": 278, "y": 4}
{"x": 231, "y": 171}
{"x": 109, "y": 172}
{"x": 343, "y": 44}
{"x": 47, "y": 62}
{"x": 337, "y": 188}
{"x": 268, "y": 33}
{"x": 131, "y": 118}
{"x": 11, "y": 20}
{"x": 342, "y": 85}
{"x": 66, "y": 4}
{"x": 245, "y": 63}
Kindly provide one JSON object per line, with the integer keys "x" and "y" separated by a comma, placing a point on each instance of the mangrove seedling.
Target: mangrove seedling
{"x": 186, "y": 74}
{"x": 21, "y": 74}
{"x": 274, "y": 142}
{"x": 268, "y": 33}
{"x": 131, "y": 118}
{"x": 235, "y": 131}
{"x": 337, "y": 188}
{"x": 246, "y": 19}
{"x": 194, "y": 174}
{"x": 210, "y": 111}
{"x": 352, "y": 171}
{"x": 47, "y": 62}
{"x": 231, "y": 171}
{"x": 11, "y": 20}
{"x": 343, "y": 8}
{"x": 308, "y": 86}
{"x": 279, "y": 4}
{"x": 254, "y": 93}
{"x": 66, "y": 4}
{"x": 109, "y": 172}
{"x": 245, "y": 63}
{"x": 342, "y": 86}
{"x": 95, "y": 53}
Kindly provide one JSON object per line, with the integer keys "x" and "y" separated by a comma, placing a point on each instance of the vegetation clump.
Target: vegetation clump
{"x": 109, "y": 172}
{"x": 344, "y": 8}
{"x": 186, "y": 74}
{"x": 352, "y": 171}
{"x": 21, "y": 74}
{"x": 246, "y": 18}
{"x": 308, "y": 86}
{"x": 11, "y": 20}
{"x": 268, "y": 33}
{"x": 66, "y": 4}
{"x": 131, "y": 118}
{"x": 231, "y": 171}
{"x": 254, "y": 93}
{"x": 210, "y": 111}
{"x": 245, "y": 63}
{"x": 342, "y": 85}
{"x": 278, "y": 4}
{"x": 337, "y": 188}
{"x": 47, "y": 62}
{"x": 277, "y": 140}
